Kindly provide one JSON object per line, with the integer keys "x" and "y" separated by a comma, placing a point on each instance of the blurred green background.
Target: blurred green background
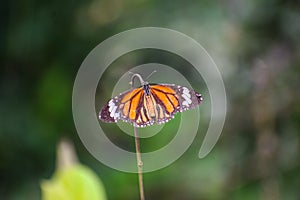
{"x": 255, "y": 44}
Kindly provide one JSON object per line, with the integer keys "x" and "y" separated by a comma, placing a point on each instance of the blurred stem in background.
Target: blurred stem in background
{"x": 267, "y": 145}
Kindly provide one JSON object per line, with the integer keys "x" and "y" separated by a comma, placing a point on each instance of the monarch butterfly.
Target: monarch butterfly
{"x": 149, "y": 104}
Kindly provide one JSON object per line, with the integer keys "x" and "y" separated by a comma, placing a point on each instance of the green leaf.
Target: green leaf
{"x": 73, "y": 183}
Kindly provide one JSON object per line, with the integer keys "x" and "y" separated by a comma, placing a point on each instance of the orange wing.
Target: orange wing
{"x": 143, "y": 108}
{"x": 121, "y": 107}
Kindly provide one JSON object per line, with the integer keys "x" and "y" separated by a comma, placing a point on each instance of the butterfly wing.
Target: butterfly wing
{"x": 163, "y": 102}
{"x": 187, "y": 98}
{"x": 123, "y": 106}
{"x": 173, "y": 98}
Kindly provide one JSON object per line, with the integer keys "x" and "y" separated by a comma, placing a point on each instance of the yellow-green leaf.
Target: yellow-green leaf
{"x": 73, "y": 183}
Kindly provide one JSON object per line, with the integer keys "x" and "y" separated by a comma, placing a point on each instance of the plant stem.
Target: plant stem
{"x": 137, "y": 144}
{"x": 139, "y": 163}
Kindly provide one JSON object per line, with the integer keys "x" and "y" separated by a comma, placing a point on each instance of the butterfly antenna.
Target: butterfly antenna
{"x": 140, "y": 77}
{"x": 151, "y": 74}
{"x": 136, "y": 75}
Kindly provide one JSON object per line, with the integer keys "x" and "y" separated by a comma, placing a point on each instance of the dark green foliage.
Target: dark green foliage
{"x": 256, "y": 45}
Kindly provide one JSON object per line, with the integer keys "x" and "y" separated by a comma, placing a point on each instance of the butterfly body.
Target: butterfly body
{"x": 149, "y": 104}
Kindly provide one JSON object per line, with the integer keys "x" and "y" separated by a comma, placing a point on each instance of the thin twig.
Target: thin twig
{"x": 139, "y": 163}
{"x": 137, "y": 145}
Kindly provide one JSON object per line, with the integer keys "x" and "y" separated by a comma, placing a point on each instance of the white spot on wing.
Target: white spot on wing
{"x": 111, "y": 105}
{"x": 111, "y": 102}
{"x": 186, "y": 91}
{"x": 187, "y": 96}
{"x": 117, "y": 115}
{"x": 185, "y": 103}
{"x": 112, "y": 113}
{"x": 189, "y": 101}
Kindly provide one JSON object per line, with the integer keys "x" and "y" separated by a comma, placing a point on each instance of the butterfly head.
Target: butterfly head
{"x": 146, "y": 88}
